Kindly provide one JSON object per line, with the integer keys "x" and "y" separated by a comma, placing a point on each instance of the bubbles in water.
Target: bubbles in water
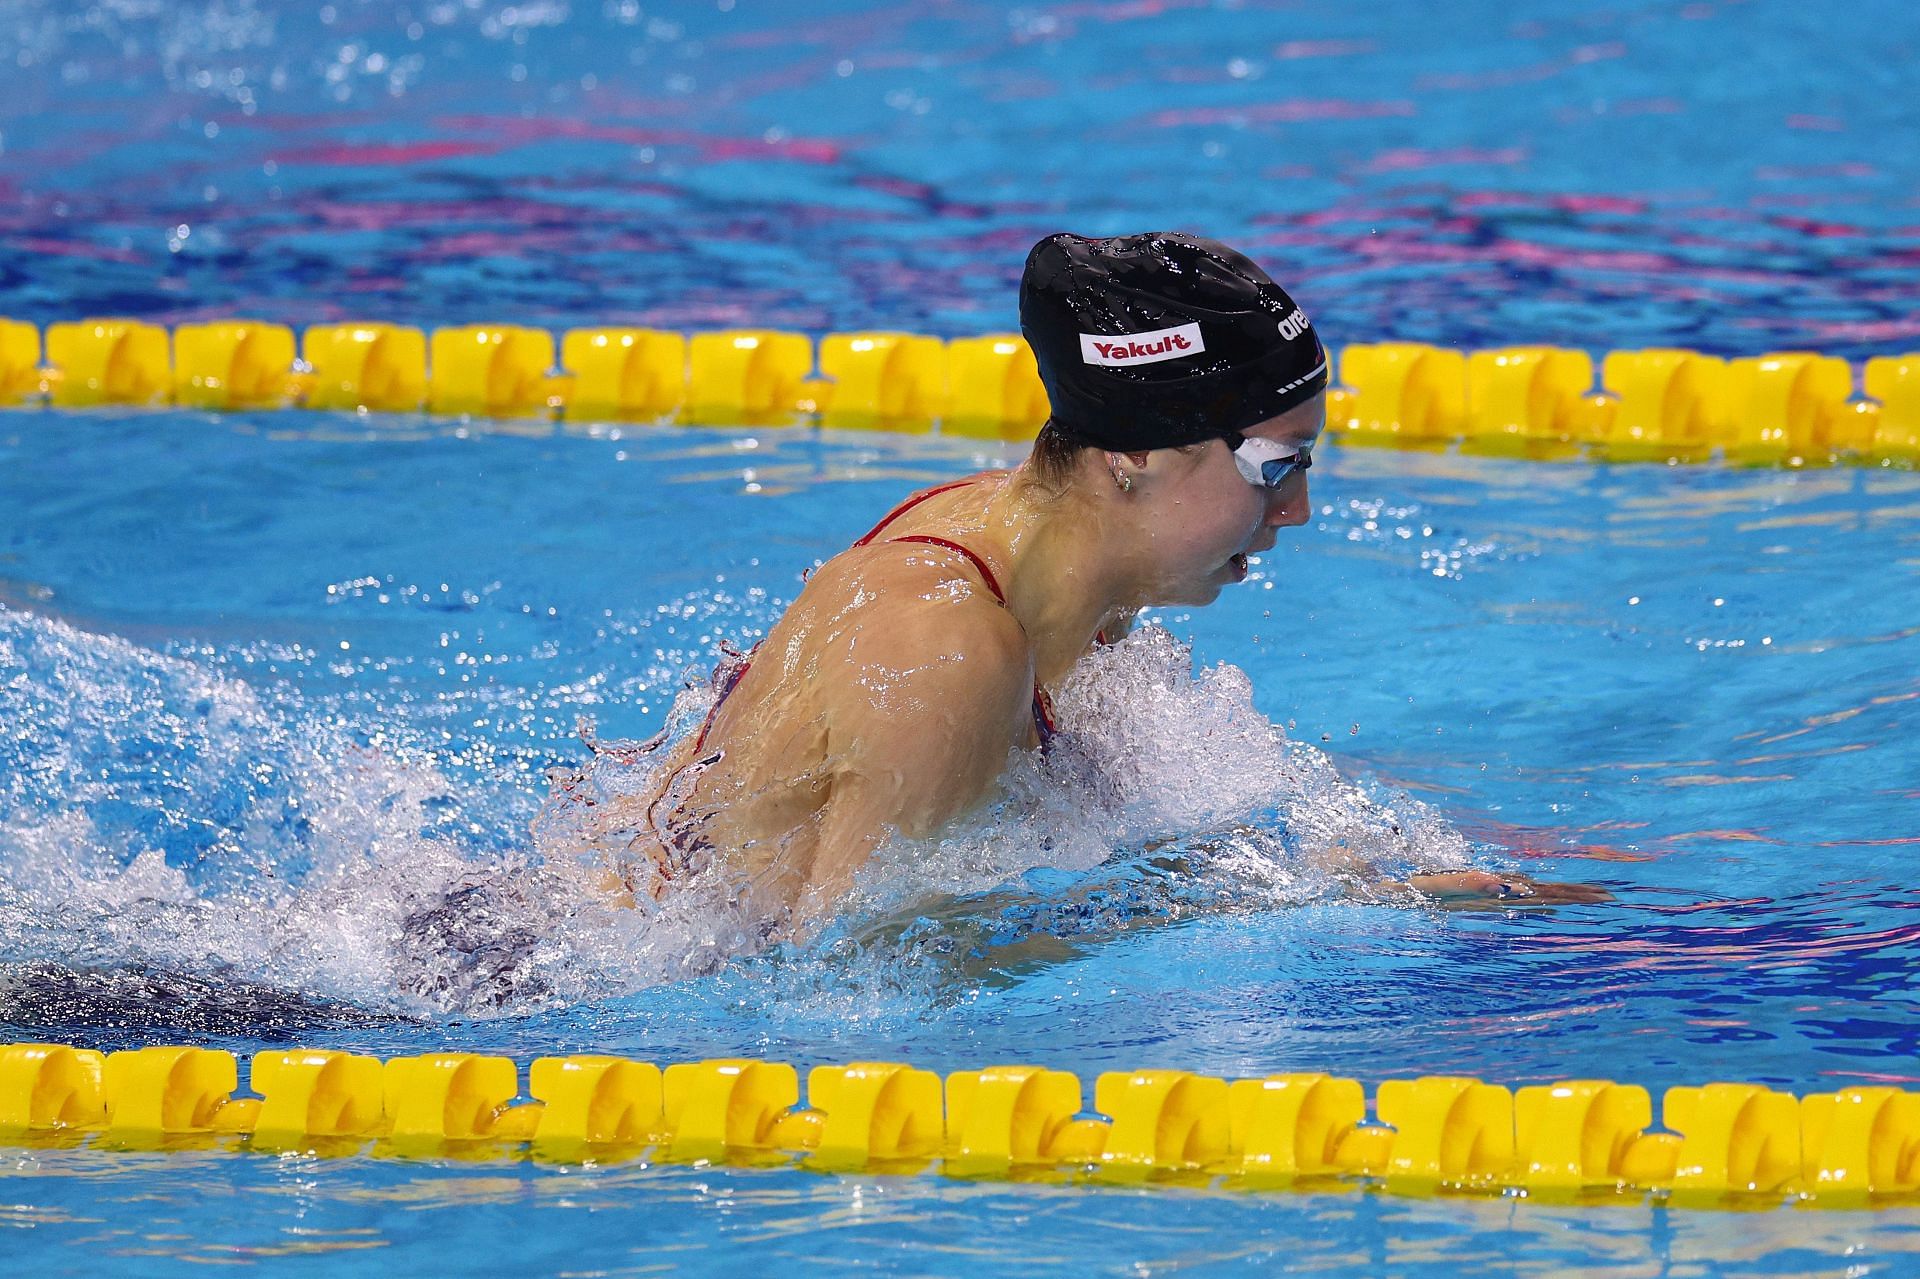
{"x": 164, "y": 823}
{"x": 1156, "y": 763}
{"x": 1166, "y": 794}
{"x": 156, "y": 815}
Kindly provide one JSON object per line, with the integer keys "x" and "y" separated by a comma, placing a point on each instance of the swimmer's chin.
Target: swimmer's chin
{"x": 1231, "y": 573}
{"x": 1193, "y": 593}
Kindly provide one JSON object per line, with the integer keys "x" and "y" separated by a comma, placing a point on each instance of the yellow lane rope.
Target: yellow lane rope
{"x": 1784, "y": 408}
{"x": 1592, "y": 1140}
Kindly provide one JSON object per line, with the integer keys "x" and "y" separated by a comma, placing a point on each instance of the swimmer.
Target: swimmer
{"x": 1188, "y": 391}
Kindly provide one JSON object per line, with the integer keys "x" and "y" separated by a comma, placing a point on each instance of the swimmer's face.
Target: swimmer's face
{"x": 1209, "y": 518}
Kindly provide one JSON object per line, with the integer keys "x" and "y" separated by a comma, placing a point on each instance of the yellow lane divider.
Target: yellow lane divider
{"x": 1573, "y": 1141}
{"x": 1792, "y": 407}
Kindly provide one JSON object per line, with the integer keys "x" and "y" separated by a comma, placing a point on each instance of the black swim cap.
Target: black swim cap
{"x": 1157, "y": 340}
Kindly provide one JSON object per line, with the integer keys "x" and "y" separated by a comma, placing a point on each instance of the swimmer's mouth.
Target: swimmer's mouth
{"x": 1239, "y": 565}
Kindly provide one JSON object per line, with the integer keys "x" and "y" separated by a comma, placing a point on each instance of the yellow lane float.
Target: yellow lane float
{"x": 233, "y": 364}
{"x": 1784, "y": 408}
{"x": 365, "y": 367}
{"x": 107, "y": 362}
{"x": 1575, "y": 1141}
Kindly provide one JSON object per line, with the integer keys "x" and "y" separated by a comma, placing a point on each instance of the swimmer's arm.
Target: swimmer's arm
{"x": 920, "y": 739}
{"x": 1464, "y": 889}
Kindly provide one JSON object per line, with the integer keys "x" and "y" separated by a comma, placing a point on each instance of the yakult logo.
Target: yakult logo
{"x": 1142, "y": 348}
{"x": 1293, "y": 324}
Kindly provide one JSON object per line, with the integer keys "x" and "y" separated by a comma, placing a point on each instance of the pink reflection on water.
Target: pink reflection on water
{"x": 513, "y": 130}
{"x": 1126, "y": 10}
{"x": 1816, "y": 228}
{"x": 1707, "y": 253}
{"x": 839, "y": 33}
{"x": 1792, "y": 173}
{"x": 922, "y": 193}
{"x": 1018, "y": 88}
{"x": 1323, "y": 48}
{"x": 532, "y": 242}
{"x": 1861, "y": 330}
{"x": 385, "y": 153}
{"x": 1646, "y": 106}
{"x": 1533, "y": 842}
{"x": 1598, "y": 52}
{"x": 1507, "y": 77}
{"x": 1401, "y": 158}
{"x": 1571, "y": 203}
{"x": 71, "y": 249}
{"x": 390, "y": 215}
{"x": 1725, "y": 947}
{"x": 1000, "y": 243}
{"x": 303, "y": 122}
{"x": 905, "y": 188}
{"x": 1563, "y": 258}
{"x": 599, "y": 183}
{"x": 1344, "y": 214}
{"x": 1289, "y": 111}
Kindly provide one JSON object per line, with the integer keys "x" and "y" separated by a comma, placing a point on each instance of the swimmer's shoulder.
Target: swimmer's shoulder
{"x": 950, "y": 510}
{"x": 917, "y": 622}
{"x": 917, "y": 592}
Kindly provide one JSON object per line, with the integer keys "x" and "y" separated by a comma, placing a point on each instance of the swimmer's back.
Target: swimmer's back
{"x": 881, "y": 580}
{"x": 895, "y": 684}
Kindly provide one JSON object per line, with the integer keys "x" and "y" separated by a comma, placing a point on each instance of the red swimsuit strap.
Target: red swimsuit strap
{"x": 1042, "y": 704}
{"x": 993, "y": 583}
{"x": 910, "y": 503}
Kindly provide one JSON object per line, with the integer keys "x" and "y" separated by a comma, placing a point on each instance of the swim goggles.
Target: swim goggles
{"x": 1268, "y": 463}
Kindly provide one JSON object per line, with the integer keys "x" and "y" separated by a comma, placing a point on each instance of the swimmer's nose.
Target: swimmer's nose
{"x": 1289, "y": 504}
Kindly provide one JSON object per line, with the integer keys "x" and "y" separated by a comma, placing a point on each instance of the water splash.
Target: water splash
{"x": 159, "y": 816}
{"x": 171, "y": 834}
{"x": 1165, "y": 795}
{"x": 1159, "y": 766}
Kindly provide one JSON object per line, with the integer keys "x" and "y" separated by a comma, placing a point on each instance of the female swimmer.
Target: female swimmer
{"x": 1187, "y": 393}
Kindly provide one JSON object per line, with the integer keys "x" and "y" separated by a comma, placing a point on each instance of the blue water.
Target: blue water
{"x": 1729, "y": 174}
{"x": 276, "y": 681}
{"x": 279, "y": 694}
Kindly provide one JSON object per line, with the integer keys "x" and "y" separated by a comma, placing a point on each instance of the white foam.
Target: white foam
{"x": 1155, "y": 759}
{"x": 160, "y": 816}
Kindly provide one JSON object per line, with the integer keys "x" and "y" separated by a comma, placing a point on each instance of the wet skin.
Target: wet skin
{"x": 890, "y": 695}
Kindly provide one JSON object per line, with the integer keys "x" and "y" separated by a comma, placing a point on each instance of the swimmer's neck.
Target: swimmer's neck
{"x": 1063, "y": 577}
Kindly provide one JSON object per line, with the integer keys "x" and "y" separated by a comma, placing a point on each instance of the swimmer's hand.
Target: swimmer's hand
{"x": 1484, "y": 890}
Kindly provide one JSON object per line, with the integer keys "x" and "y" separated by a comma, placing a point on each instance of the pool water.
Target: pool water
{"x": 262, "y": 724}
{"x": 280, "y": 694}
{"x": 1733, "y": 175}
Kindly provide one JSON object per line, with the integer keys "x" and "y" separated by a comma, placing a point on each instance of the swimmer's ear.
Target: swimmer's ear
{"x": 1121, "y": 478}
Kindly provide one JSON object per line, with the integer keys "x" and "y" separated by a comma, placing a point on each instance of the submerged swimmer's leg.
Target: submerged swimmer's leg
{"x": 472, "y": 945}
{"x": 49, "y": 999}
